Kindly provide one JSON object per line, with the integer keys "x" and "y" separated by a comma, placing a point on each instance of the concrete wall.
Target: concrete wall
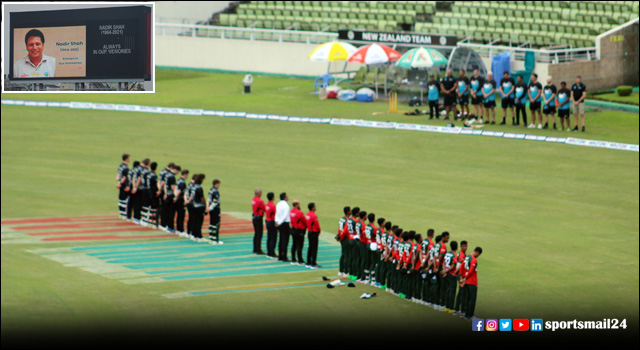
{"x": 618, "y": 63}
{"x": 241, "y": 56}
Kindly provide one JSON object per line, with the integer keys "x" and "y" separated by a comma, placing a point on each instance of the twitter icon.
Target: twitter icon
{"x": 505, "y": 324}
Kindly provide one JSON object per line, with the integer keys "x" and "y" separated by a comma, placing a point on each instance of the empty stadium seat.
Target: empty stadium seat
{"x": 538, "y": 22}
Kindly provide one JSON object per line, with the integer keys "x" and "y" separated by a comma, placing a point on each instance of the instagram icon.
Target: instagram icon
{"x": 491, "y": 325}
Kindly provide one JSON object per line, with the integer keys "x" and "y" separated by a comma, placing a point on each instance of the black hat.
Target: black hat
{"x": 351, "y": 285}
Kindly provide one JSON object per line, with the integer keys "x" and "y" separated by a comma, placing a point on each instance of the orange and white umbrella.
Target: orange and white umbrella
{"x": 374, "y": 54}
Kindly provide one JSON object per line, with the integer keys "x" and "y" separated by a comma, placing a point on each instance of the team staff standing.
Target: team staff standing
{"x": 463, "y": 94}
{"x": 258, "y": 208}
{"x": 535, "y": 93}
{"x": 488, "y": 93}
{"x": 448, "y": 86}
{"x": 549, "y": 99}
{"x": 433, "y": 96}
{"x": 272, "y": 230}
{"x": 283, "y": 223}
{"x": 578, "y": 94}
{"x": 521, "y": 101}
{"x": 564, "y": 106}
{"x": 476, "y": 94}
{"x": 507, "y": 93}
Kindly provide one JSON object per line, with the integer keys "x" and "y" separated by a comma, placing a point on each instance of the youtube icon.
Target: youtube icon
{"x": 521, "y": 324}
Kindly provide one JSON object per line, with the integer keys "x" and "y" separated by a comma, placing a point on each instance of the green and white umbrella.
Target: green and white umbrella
{"x": 422, "y": 57}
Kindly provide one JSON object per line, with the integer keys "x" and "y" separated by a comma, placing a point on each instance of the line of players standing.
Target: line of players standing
{"x": 482, "y": 92}
{"x": 403, "y": 263}
{"x": 143, "y": 195}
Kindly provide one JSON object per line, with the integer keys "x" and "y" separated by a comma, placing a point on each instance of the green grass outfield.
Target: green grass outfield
{"x": 558, "y": 223}
{"x": 632, "y": 99}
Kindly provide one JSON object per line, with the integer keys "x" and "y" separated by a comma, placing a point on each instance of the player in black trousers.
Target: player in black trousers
{"x": 272, "y": 230}
{"x": 168, "y": 207}
{"x": 151, "y": 196}
{"x": 163, "y": 178}
{"x": 188, "y": 202}
{"x": 213, "y": 209}
{"x": 181, "y": 186}
{"x": 258, "y": 208}
{"x": 199, "y": 207}
{"x": 299, "y": 225}
{"x": 133, "y": 198}
{"x": 143, "y": 190}
{"x": 313, "y": 226}
{"x": 283, "y": 223}
{"x": 122, "y": 185}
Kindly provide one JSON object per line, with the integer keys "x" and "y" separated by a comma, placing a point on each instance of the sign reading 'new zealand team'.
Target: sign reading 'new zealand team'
{"x": 398, "y": 38}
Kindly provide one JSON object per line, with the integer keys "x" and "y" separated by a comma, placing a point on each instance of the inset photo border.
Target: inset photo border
{"x": 95, "y": 47}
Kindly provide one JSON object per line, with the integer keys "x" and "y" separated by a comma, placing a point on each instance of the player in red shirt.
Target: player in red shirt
{"x": 376, "y": 255}
{"x": 393, "y": 259}
{"x": 352, "y": 256}
{"x": 258, "y": 207}
{"x": 343, "y": 238}
{"x": 470, "y": 280}
{"x": 360, "y": 244}
{"x": 417, "y": 270}
{"x": 449, "y": 277}
{"x": 386, "y": 254}
{"x": 299, "y": 224}
{"x": 272, "y": 230}
{"x": 460, "y": 269}
{"x": 439, "y": 257}
{"x": 369, "y": 237}
{"x": 313, "y": 227}
{"x": 427, "y": 245}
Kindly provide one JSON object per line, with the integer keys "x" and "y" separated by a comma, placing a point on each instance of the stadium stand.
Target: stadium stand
{"x": 533, "y": 23}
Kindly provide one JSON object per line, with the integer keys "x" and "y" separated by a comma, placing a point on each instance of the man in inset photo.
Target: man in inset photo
{"x": 36, "y": 64}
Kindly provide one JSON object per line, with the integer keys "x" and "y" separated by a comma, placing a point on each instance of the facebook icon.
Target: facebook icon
{"x": 536, "y": 325}
{"x": 477, "y": 325}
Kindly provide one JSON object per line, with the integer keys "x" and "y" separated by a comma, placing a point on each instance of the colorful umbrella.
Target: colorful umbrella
{"x": 374, "y": 54}
{"x": 332, "y": 51}
{"x": 421, "y": 57}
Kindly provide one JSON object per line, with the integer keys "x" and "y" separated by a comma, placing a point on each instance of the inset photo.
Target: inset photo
{"x": 77, "y": 47}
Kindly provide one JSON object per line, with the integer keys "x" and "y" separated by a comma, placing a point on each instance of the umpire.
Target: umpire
{"x": 257, "y": 205}
{"x": 283, "y": 223}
